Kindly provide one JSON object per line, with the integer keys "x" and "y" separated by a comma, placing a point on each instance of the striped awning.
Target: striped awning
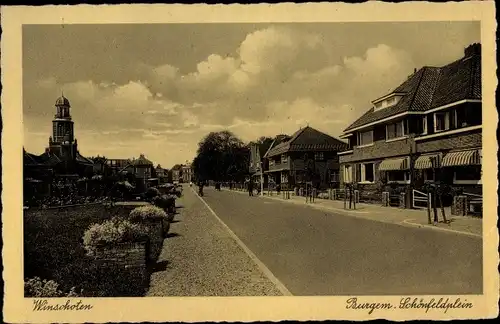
{"x": 425, "y": 161}
{"x": 394, "y": 164}
{"x": 470, "y": 157}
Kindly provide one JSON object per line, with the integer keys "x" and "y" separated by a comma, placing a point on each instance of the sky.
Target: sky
{"x": 158, "y": 89}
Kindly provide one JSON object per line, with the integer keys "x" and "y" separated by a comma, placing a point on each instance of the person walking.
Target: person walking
{"x": 250, "y": 188}
{"x": 200, "y": 188}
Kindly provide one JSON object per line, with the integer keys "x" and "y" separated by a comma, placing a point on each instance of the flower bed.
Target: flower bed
{"x": 112, "y": 232}
{"x": 53, "y": 250}
{"x": 36, "y": 287}
{"x": 167, "y": 203}
{"x": 156, "y": 225}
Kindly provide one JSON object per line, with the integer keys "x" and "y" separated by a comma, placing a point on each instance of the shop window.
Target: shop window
{"x": 367, "y": 172}
{"x": 467, "y": 174}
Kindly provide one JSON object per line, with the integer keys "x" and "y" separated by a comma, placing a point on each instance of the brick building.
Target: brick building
{"x": 307, "y": 156}
{"x": 428, "y": 129}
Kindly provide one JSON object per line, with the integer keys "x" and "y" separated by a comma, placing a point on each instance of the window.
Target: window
{"x": 365, "y": 138}
{"x": 319, "y": 156}
{"x": 271, "y": 162}
{"x": 396, "y": 130}
{"x": 424, "y": 125}
{"x": 367, "y": 172}
{"x": 398, "y": 176}
{"x": 441, "y": 121}
{"x": 466, "y": 116}
{"x": 284, "y": 178}
{"x": 347, "y": 173}
{"x": 284, "y": 158}
{"x": 470, "y": 174}
{"x": 429, "y": 175}
{"x": 334, "y": 176}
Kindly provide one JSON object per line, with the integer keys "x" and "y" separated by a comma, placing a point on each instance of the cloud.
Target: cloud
{"x": 275, "y": 81}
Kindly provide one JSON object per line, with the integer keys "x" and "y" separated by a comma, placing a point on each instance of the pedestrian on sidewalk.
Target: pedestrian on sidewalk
{"x": 250, "y": 188}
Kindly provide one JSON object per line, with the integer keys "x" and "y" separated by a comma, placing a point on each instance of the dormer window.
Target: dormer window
{"x": 387, "y": 101}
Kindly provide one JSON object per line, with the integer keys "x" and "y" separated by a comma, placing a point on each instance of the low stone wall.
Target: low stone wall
{"x": 126, "y": 255}
{"x": 156, "y": 233}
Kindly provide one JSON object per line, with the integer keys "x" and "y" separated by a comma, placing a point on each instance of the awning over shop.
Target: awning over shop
{"x": 470, "y": 157}
{"x": 425, "y": 161}
{"x": 394, "y": 164}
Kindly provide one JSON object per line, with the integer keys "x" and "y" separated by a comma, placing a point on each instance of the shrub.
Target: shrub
{"x": 152, "y": 192}
{"x": 323, "y": 195}
{"x": 36, "y": 287}
{"x": 147, "y": 212}
{"x": 112, "y": 232}
{"x": 165, "y": 201}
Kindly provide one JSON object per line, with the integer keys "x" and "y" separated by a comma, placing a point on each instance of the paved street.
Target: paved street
{"x": 315, "y": 252}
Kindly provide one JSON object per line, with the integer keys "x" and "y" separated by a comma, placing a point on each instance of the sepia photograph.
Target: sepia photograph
{"x": 254, "y": 159}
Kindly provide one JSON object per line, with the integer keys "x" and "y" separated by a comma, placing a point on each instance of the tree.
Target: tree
{"x": 221, "y": 156}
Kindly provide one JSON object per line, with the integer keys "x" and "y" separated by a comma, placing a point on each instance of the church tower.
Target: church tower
{"x": 62, "y": 142}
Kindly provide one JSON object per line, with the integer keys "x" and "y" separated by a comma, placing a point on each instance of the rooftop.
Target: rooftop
{"x": 432, "y": 87}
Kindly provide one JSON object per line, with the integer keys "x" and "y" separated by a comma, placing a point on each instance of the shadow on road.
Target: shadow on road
{"x": 159, "y": 266}
{"x": 169, "y": 235}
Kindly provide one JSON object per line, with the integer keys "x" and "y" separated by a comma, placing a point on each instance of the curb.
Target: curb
{"x": 440, "y": 228}
{"x": 262, "y": 267}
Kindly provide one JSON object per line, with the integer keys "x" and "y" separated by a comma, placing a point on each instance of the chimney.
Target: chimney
{"x": 471, "y": 50}
{"x": 414, "y": 70}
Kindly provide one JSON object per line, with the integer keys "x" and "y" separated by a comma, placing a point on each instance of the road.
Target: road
{"x": 314, "y": 252}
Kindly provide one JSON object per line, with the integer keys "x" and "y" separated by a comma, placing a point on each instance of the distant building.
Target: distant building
{"x": 258, "y": 164}
{"x": 142, "y": 171}
{"x": 161, "y": 174}
{"x": 177, "y": 173}
{"x": 187, "y": 173}
{"x": 308, "y": 156}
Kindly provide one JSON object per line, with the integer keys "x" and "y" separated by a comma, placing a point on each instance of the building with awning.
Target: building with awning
{"x": 462, "y": 158}
{"x": 427, "y": 129}
{"x": 394, "y": 164}
{"x": 428, "y": 161}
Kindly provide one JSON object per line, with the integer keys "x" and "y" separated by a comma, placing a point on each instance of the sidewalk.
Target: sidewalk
{"x": 201, "y": 258}
{"x": 407, "y": 217}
